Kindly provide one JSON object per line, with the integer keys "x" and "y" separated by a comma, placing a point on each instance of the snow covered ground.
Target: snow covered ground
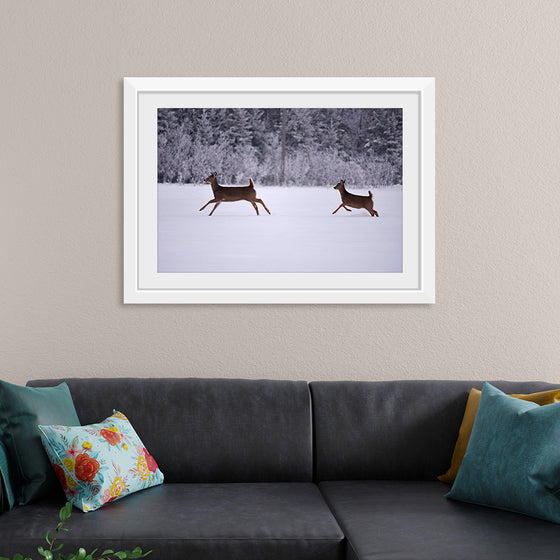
{"x": 300, "y": 235}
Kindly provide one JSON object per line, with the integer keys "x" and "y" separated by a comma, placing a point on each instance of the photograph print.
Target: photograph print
{"x": 279, "y": 190}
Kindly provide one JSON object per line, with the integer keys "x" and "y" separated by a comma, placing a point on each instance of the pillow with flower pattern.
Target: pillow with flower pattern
{"x": 99, "y": 463}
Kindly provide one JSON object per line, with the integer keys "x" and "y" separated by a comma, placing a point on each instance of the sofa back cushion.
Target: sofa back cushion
{"x": 393, "y": 430}
{"x": 208, "y": 430}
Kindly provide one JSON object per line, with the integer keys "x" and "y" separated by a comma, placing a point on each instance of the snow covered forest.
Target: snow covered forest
{"x": 314, "y": 147}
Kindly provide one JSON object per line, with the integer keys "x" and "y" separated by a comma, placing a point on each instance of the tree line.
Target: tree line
{"x": 281, "y": 146}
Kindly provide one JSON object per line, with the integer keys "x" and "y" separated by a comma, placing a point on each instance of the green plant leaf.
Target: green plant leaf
{"x": 18, "y": 557}
{"x": 68, "y": 508}
{"x": 65, "y": 512}
{"x": 121, "y": 555}
{"x": 104, "y": 553}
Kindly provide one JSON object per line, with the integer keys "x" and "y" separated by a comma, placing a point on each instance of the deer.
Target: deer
{"x": 354, "y": 200}
{"x": 231, "y": 194}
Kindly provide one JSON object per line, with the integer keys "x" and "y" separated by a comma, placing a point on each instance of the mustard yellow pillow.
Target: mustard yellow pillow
{"x": 541, "y": 398}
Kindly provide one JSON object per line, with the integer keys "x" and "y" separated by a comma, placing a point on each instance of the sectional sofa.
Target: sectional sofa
{"x": 270, "y": 470}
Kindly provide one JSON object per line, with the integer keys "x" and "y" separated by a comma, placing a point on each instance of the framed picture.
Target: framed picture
{"x": 279, "y": 190}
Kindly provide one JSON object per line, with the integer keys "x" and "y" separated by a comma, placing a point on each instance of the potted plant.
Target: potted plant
{"x": 53, "y": 553}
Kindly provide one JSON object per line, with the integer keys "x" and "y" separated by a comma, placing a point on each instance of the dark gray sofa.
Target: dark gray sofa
{"x": 285, "y": 470}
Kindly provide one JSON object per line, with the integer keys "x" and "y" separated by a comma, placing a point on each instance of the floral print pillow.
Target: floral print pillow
{"x": 99, "y": 463}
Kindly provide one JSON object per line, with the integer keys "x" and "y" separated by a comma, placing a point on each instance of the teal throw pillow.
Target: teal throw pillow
{"x": 7, "y": 498}
{"x": 21, "y": 410}
{"x": 513, "y": 457}
{"x": 99, "y": 463}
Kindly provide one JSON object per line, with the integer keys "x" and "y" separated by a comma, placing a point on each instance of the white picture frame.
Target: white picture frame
{"x": 144, "y": 284}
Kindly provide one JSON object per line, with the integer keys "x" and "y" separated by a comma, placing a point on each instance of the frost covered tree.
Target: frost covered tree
{"x": 293, "y": 146}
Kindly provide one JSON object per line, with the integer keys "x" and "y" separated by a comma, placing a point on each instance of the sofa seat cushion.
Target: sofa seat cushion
{"x": 192, "y": 521}
{"x": 411, "y": 520}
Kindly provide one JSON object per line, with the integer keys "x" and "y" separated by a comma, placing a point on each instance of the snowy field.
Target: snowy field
{"x": 300, "y": 235}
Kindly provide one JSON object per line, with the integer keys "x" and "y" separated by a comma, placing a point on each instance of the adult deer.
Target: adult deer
{"x": 354, "y": 200}
{"x": 231, "y": 194}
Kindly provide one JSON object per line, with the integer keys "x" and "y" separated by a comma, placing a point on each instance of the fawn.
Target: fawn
{"x": 231, "y": 194}
{"x": 354, "y": 200}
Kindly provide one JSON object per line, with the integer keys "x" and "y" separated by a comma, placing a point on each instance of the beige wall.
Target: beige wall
{"x": 498, "y": 189}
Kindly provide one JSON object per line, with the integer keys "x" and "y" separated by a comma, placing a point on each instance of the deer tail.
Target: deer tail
{"x": 370, "y": 195}
{"x": 251, "y": 184}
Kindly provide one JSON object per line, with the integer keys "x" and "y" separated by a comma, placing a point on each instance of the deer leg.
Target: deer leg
{"x": 216, "y": 206}
{"x": 341, "y": 206}
{"x": 209, "y": 202}
{"x": 259, "y": 200}
{"x": 255, "y": 207}
{"x": 346, "y": 208}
